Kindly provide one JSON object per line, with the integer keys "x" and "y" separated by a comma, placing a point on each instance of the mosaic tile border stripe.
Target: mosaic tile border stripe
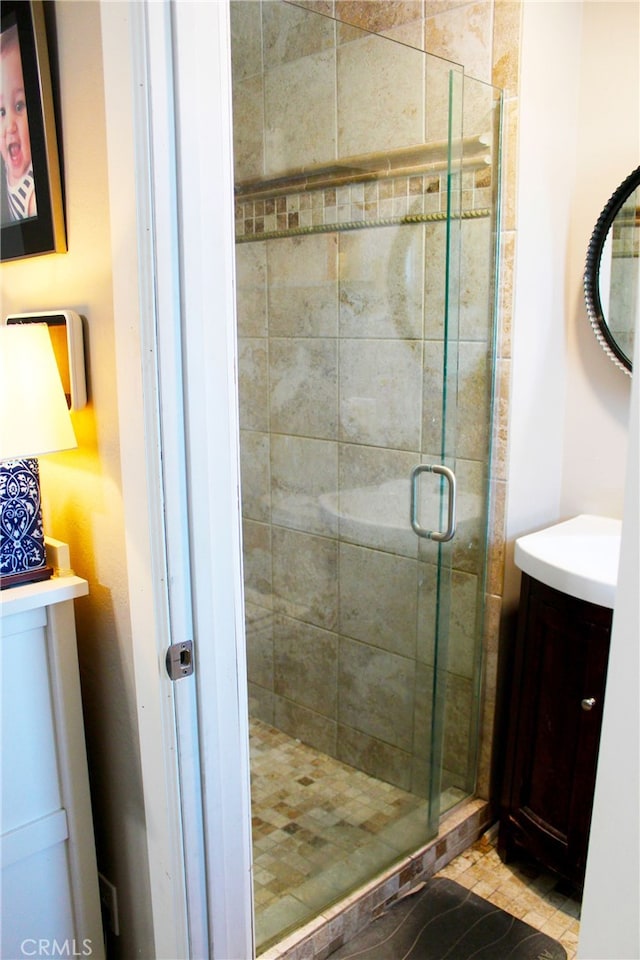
{"x": 357, "y": 206}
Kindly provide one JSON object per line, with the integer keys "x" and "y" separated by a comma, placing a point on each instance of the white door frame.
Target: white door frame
{"x": 168, "y": 110}
{"x": 202, "y": 47}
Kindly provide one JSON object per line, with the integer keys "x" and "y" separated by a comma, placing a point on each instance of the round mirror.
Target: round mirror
{"x": 612, "y": 273}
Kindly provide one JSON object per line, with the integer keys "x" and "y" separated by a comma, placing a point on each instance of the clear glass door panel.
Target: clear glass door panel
{"x": 349, "y": 219}
{"x": 466, "y": 429}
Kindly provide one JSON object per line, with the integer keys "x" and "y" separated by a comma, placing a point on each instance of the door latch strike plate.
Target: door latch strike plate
{"x": 179, "y": 660}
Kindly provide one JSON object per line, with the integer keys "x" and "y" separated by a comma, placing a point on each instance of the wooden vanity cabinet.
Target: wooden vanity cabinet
{"x": 555, "y": 715}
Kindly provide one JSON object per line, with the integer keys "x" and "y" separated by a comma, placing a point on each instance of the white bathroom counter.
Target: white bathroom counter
{"x": 579, "y": 557}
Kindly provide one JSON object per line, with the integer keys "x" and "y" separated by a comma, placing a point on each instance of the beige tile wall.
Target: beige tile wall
{"x": 298, "y": 613}
{"x": 485, "y": 38}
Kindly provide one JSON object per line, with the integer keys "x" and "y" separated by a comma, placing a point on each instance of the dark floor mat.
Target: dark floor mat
{"x": 444, "y": 921}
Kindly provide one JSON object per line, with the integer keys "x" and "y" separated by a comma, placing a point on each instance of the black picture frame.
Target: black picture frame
{"x": 41, "y": 230}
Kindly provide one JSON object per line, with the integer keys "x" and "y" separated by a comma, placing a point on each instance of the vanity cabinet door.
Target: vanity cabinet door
{"x": 555, "y": 717}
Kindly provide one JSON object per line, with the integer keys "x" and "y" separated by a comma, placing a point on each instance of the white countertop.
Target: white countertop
{"x": 29, "y": 596}
{"x": 579, "y": 557}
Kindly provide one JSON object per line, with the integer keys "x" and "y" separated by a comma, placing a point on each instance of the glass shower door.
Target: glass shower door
{"x": 396, "y": 495}
{"x": 350, "y": 163}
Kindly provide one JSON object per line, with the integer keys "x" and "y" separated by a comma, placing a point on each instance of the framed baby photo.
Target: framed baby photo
{"x": 31, "y": 210}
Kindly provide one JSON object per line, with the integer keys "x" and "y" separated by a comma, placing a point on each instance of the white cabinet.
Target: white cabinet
{"x": 49, "y": 894}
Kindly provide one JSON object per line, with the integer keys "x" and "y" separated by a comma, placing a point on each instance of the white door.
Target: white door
{"x": 171, "y": 103}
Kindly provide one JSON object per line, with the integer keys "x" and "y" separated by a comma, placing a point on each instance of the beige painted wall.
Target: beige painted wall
{"x": 608, "y": 149}
{"x": 568, "y": 440}
{"x": 82, "y": 489}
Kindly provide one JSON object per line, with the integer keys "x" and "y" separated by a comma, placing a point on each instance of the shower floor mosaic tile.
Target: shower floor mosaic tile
{"x": 320, "y": 828}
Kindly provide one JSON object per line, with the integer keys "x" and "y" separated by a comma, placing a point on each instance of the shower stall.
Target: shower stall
{"x": 367, "y": 179}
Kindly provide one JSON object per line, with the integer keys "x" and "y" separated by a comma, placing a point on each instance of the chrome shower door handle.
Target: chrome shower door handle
{"x": 440, "y": 536}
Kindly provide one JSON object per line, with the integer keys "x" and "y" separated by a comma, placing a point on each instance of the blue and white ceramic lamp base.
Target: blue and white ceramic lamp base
{"x": 23, "y": 556}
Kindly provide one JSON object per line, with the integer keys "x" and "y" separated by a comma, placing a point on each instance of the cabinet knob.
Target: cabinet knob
{"x": 588, "y": 703}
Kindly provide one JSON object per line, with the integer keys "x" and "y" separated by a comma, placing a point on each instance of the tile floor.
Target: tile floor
{"x": 320, "y": 829}
{"x": 523, "y": 889}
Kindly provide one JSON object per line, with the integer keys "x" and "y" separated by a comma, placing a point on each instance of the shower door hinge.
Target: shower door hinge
{"x": 179, "y": 660}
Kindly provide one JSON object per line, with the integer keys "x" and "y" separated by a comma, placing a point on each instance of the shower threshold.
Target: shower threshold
{"x": 321, "y": 830}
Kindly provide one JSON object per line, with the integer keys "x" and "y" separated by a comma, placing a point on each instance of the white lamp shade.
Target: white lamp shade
{"x": 34, "y": 417}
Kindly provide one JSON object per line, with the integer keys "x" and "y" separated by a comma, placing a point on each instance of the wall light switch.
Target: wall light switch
{"x": 65, "y": 329}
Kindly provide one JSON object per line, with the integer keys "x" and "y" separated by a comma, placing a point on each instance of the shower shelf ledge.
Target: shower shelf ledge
{"x": 472, "y": 153}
